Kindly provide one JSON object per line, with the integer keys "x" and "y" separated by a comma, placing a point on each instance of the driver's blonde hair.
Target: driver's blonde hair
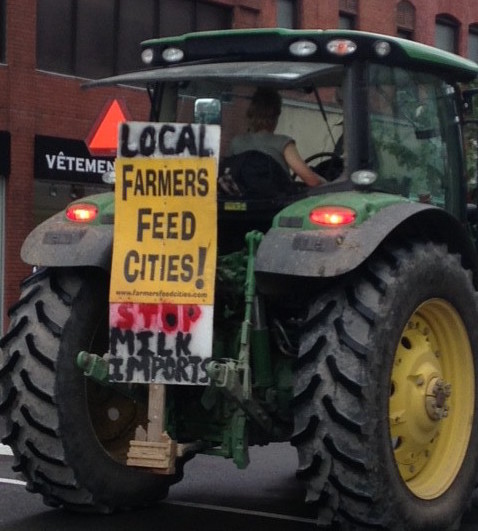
{"x": 264, "y": 110}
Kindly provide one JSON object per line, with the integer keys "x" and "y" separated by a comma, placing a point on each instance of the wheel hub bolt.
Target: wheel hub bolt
{"x": 438, "y": 391}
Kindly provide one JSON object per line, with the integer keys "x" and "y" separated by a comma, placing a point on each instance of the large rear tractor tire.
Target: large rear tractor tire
{"x": 386, "y": 422}
{"x": 69, "y": 436}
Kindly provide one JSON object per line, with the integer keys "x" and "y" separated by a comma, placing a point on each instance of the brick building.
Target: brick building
{"x": 49, "y": 47}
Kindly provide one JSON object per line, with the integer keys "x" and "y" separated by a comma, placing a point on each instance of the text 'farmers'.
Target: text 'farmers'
{"x": 162, "y": 182}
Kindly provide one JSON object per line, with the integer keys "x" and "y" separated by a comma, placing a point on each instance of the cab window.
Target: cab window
{"x": 413, "y": 134}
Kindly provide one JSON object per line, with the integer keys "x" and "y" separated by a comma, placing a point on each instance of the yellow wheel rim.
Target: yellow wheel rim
{"x": 432, "y": 397}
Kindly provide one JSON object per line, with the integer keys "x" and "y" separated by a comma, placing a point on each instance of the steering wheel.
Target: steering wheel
{"x": 319, "y": 155}
{"x": 331, "y": 168}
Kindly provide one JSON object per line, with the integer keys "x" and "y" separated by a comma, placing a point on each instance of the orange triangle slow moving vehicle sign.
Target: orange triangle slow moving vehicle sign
{"x": 103, "y": 137}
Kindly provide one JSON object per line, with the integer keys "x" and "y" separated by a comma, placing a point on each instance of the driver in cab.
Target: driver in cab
{"x": 263, "y": 115}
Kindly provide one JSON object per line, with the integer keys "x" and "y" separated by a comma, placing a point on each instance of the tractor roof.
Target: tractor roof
{"x": 283, "y": 57}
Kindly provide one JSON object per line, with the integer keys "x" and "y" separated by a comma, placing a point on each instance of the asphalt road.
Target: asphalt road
{"x": 213, "y": 496}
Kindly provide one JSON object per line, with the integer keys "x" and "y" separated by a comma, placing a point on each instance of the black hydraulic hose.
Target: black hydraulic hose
{"x": 324, "y": 115}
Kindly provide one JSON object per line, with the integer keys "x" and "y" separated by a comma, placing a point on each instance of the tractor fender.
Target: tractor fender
{"x": 332, "y": 252}
{"x": 57, "y": 243}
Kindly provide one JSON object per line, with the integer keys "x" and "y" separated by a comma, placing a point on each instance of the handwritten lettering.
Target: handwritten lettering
{"x": 166, "y": 317}
{"x": 166, "y": 225}
{"x": 155, "y": 357}
{"x": 164, "y": 140}
{"x": 164, "y": 182}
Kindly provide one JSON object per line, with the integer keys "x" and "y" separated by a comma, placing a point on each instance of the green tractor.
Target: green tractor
{"x": 345, "y": 315}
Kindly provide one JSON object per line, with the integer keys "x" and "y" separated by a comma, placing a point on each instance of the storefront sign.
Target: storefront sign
{"x": 4, "y": 153}
{"x": 164, "y": 255}
{"x": 62, "y": 159}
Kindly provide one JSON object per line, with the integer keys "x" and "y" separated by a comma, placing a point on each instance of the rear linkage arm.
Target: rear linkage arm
{"x": 233, "y": 376}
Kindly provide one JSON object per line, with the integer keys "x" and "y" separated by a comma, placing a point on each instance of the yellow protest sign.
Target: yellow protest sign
{"x": 165, "y": 230}
{"x": 164, "y": 253}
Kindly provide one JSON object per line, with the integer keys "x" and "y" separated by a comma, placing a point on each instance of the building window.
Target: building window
{"x": 3, "y": 31}
{"x": 209, "y": 16}
{"x": 95, "y": 38}
{"x": 95, "y": 43}
{"x": 181, "y": 16}
{"x": 346, "y": 21}
{"x": 446, "y": 34}
{"x": 136, "y": 21}
{"x": 55, "y": 35}
{"x": 405, "y": 20}
{"x": 473, "y": 43}
{"x": 347, "y": 14}
{"x": 286, "y": 14}
{"x": 349, "y": 6}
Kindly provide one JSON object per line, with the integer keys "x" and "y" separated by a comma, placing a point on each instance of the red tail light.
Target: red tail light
{"x": 82, "y": 212}
{"x": 332, "y": 216}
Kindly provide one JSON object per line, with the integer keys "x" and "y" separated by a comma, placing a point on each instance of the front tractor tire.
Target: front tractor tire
{"x": 385, "y": 402}
{"x": 69, "y": 436}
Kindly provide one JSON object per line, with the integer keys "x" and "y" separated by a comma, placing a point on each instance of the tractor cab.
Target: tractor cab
{"x": 252, "y": 186}
{"x": 361, "y": 108}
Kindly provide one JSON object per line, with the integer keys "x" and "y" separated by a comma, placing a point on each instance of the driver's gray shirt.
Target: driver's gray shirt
{"x": 263, "y": 141}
